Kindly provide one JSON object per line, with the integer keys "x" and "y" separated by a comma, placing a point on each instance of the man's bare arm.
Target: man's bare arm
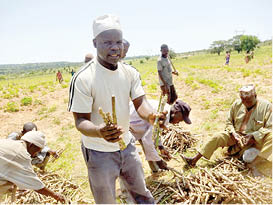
{"x": 146, "y": 111}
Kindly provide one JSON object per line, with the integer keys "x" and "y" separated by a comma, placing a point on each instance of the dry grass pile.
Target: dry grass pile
{"x": 227, "y": 182}
{"x": 72, "y": 192}
{"x": 177, "y": 140}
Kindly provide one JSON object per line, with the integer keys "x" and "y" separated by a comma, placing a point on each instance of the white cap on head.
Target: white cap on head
{"x": 35, "y": 137}
{"x": 247, "y": 90}
{"x": 104, "y": 23}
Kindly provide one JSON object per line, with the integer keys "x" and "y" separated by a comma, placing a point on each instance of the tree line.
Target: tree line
{"x": 237, "y": 43}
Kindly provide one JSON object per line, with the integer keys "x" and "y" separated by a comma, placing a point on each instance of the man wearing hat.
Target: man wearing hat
{"x": 248, "y": 130}
{"x": 143, "y": 131}
{"x": 165, "y": 72}
{"x": 15, "y": 164}
{"x": 92, "y": 87}
{"x": 42, "y": 158}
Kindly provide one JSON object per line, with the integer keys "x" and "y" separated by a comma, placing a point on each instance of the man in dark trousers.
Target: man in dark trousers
{"x": 92, "y": 88}
{"x": 165, "y": 72}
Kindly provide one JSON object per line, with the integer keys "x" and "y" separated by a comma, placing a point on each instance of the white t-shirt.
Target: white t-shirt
{"x": 93, "y": 86}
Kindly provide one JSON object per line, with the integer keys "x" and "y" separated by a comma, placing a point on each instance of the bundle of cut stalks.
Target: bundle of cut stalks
{"x": 227, "y": 182}
{"x": 177, "y": 139}
{"x": 72, "y": 192}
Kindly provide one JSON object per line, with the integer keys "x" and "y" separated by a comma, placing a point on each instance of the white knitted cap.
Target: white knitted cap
{"x": 247, "y": 90}
{"x": 104, "y": 23}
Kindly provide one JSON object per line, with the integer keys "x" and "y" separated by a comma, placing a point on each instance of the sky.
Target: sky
{"x": 34, "y": 31}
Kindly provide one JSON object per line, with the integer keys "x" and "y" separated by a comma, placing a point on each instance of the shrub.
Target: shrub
{"x": 38, "y": 102}
{"x": 11, "y": 107}
{"x": 26, "y": 101}
{"x": 64, "y": 85}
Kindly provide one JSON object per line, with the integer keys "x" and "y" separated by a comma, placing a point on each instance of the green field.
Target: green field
{"x": 204, "y": 82}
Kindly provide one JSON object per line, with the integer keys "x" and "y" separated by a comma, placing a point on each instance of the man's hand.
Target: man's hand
{"x": 248, "y": 140}
{"x": 165, "y": 154}
{"x": 59, "y": 197}
{"x": 236, "y": 137}
{"x": 161, "y": 118}
{"x": 111, "y": 133}
{"x": 54, "y": 154}
{"x": 175, "y": 73}
{"x": 162, "y": 165}
{"x": 165, "y": 89}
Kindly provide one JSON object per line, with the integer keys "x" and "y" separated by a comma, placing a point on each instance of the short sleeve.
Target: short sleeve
{"x": 80, "y": 99}
{"x": 159, "y": 65}
{"x": 136, "y": 87}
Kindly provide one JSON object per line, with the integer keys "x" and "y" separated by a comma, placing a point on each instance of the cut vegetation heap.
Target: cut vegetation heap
{"x": 227, "y": 182}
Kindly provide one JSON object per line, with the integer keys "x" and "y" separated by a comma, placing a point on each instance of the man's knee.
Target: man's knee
{"x": 222, "y": 139}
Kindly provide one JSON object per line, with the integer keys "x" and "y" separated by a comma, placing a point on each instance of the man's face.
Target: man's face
{"x": 176, "y": 117}
{"x": 109, "y": 46}
{"x": 164, "y": 52}
{"x": 34, "y": 150}
{"x": 248, "y": 101}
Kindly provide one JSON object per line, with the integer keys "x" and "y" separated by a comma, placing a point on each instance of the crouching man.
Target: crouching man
{"x": 143, "y": 131}
{"x": 15, "y": 164}
{"x": 248, "y": 130}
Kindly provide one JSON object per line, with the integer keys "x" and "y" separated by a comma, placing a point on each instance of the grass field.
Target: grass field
{"x": 204, "y": 82}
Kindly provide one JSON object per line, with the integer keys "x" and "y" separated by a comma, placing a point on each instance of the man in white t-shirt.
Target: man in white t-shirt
{"x": 92, "y": 87}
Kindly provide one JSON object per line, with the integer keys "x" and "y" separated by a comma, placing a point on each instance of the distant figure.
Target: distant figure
{"x": 72, "y": 72}
{"x": 227, "y": 58}
{"x": 42, "y": 157}
{"x": 59, "y": 76}
{"x": 249, "y": 56}
{"x": 126, "y": 46}
{"x": 88, "y": 57}
{"x": 165, "y": 72}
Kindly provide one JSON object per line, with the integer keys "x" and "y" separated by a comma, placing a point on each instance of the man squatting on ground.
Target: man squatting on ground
{"x": 92, "y": 87}
{"x": 15, "y": 164}
{"x": 42, "y": 158}
{"x": 249, "y": 119}
{"x": 143, "y": 131}
{"x": 165, "y": 72}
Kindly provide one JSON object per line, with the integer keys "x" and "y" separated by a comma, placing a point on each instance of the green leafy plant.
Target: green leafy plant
{"x": 26, "y": 101}
{"x": 11, "y": 107}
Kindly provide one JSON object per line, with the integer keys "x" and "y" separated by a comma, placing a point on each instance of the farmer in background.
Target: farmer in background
{"x": 88, "y": 57}
{"x": 59, "y": 76}
{"x": 126, "y": 46}
{"x": 15, "y": 164}
{"x": 227, "y": 58}
{"x": 42, "y": 158}
{"x": 92, "y": 87}
{"x": 143, "y": 131}
{"x": 72, "y": 72}
{"x": 248, "y": 130}
{"x": 165, "y": 72}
